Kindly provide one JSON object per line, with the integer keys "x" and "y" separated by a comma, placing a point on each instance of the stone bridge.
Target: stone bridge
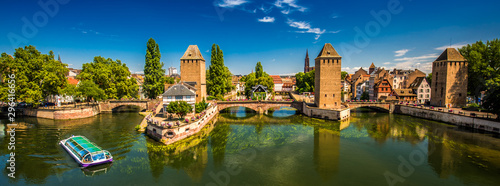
{"x": 258, "y": 106}
{"x": 116, "y": 105}
{"x": 384, "y": 106}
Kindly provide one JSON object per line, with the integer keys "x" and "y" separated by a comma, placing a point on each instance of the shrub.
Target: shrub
{"x": 137, "y": 127}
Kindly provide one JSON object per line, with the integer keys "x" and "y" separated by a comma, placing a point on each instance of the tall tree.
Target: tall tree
{"x": 343, "y": 74}
{"x": 153, "y": 71}
{"x": 484, "y": 72}
{"x": 218, "y": 75}
{"x": 37, "y": 75}
{"x": 252, "y": 80}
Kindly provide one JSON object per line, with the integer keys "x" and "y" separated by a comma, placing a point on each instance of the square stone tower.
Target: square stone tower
{"x": 193, "y": 71}
{"x": 449, "y": 79}
{"x": 327, "y": 78}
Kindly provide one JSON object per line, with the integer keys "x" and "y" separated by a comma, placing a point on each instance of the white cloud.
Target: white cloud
{"x": 401, "y": 52}
{"x": 387, "y": 63}
{"x": 289, "y": 3}
{"x": 207, "y": 51}
{"x": 286, "y": 12}
{"x": 456, "y": 45}
{"x": 266, "y": 19}
{"x": 306, "y": 28}
{"x": 231, "y": 3}
{"x": 273, "y": 60}
{"x": 266, "y": 10}
{"x": 335, "y": 17}
{"x": 423, "y": 63}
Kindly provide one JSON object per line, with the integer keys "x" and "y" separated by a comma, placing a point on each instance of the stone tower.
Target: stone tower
{"x": 327, "y": 78}
{"x": 449, "y": 79}
{"x": 306, "y": 63}
{"x": 371, "y": 69}
{"x": 193, "y": 71}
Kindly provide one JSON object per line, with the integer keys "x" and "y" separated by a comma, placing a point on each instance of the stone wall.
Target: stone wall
{"x": 174, "y": 134}
{"x": 326, "y": 113}
{"x": 108, "y": 106}
{"x": 63, "y": 114}
{"x": 452, "y": 118}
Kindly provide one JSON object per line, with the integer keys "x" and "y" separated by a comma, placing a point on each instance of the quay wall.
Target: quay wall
{"x": 452, "y": 118}
{"x": 174, "y": 134}
{"x": 63, "y": 114}
{"x": 325, "y": 113}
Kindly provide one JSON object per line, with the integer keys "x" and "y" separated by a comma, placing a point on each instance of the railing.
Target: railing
{"x": 451, "y": 111}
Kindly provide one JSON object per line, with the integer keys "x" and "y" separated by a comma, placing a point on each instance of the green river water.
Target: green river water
{"x": 372, "y": 148}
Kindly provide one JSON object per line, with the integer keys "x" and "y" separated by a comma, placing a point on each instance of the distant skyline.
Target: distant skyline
{"x": 404, "y": 34}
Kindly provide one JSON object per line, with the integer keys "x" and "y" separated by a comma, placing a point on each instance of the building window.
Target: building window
{"x": 325, "y": 95}
{"x": 188, "y": 97}
{"x": 421, "y": 90}
{"x": 459, "y": 94}
{"x": 333, "y": 95}
{"x": 169, "y": 97}
{"x": 178, "y": 97}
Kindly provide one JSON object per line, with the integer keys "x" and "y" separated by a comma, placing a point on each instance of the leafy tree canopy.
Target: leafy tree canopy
{"x": 154, "y": 81}
{"x": 37, "y": 75}
{"x": 305, "y": 82}
{"x": 219, "y": 78}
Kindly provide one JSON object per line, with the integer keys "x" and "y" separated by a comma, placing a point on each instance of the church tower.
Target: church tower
{"x": 449, "y": 79}
{"x": 327, "y": 78}
{"x": 306, "y": 63}
{"x": 193, "y": 71}
{"x": 371, "y": 69}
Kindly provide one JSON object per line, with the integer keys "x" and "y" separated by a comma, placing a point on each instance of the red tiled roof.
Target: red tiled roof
{"x": 72, "y": 81}
{"x": 277, "y": 79}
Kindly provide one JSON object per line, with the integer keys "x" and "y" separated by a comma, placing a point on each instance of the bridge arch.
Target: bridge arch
{"x": 382, "y": 106}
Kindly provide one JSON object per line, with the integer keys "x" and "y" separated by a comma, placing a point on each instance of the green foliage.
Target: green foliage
{"x": 429, "y": 78}
{"x": 305, "y": 82}
{"x": 200, "y": 106}
{"x": 138, "y": 127}
{"x": 71, "y": 90}
{"x": 37, "y": 75}
{"x": 180, "y": 108}
{"x": 153, "y": 71}
{"x": 251, "y": 80}
{"x": 91, "y": 91}
{"x": 365, "y": 96}
{"x": 218, "y": 75}
{"x": 484, "y": 72}
{"x": 343, "y": 74}
{"x": 169, "y": 80}
{"x": 113, "y": 77}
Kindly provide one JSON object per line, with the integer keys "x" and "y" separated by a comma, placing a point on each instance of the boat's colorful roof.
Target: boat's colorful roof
{"x": 82, "y": 145}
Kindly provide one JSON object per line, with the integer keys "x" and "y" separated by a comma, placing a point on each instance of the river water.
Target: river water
{"x": 372, "y": 148}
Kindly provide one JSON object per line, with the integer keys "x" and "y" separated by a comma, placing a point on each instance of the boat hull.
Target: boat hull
{"x": 80, "y": 162}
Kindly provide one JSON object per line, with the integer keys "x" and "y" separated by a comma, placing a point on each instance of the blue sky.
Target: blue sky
{"x": 275, "y": 32}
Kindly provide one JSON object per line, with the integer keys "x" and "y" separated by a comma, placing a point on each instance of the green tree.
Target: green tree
{"x": 91, "y": 91}
{"x": 365, "y": 96}
{"x": 71, "y": 90}
{"x": 37, "y": 75}
{"x": 180, "y": 108}
{"x": 343, "y": 74}
{"x": 305, "y": 82}
{"x": 218, "y": 75}
{"x": 113, "y": 77}
{"x": 201, "y": 106}
{"x": 153, "y": 71}
{"x": 251, "y": 80}
{"x": 484, "y": 72}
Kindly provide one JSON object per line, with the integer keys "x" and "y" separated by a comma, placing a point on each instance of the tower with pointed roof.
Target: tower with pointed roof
{"x": 371, "y": 69}
{"x": 327, "y": 78}
{"x": 193, "y": 71}
{"x": 449, "y": 79}
{"x": 306, "y": 63}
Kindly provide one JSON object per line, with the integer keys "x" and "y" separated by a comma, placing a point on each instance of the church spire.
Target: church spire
{"x": 59, "y": 58}
{"x": 306, "y": 63}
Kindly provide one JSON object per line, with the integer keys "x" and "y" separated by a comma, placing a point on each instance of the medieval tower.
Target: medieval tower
{"x": 193, "y": 71}
{"x": 327, "y": 78}
{"x": 449, "y": 79}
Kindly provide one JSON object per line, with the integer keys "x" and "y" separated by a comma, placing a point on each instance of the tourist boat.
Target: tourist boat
{"x": 85, "y": 152}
